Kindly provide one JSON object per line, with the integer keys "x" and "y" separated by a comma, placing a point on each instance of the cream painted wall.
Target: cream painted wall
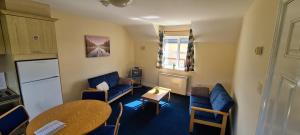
{"x": 250, "y": 70}
{"x": 75, "y": 67}
{"x": 214, "y": 63}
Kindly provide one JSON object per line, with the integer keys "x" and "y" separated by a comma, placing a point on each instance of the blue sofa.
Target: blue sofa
{"x": 210, "y": 108}
{"x": 118, "y": 87}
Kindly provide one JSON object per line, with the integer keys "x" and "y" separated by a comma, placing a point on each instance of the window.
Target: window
{"x": 174, "y": 52}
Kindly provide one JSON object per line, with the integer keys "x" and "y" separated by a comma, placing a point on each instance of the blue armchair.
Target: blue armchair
{"x": 14, "y": 119}
{"x": 210, "y": 109}
{"x": 118, "y": 87}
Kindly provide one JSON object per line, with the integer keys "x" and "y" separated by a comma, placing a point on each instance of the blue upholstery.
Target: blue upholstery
{"x": 93, "y": 82}
{"x": 111, "y": 79}
{"x": 115, "y": 89}
{"x": 216, "y": 91}
{"x": 207, "y": 117}
{"x": 14, "y": 119}
{"x": 103, "y": 130}
{"x": 123, "y": 87}
{"x": 218, "y": 100}
{"x": 114, "y": 92}
{"x": 223, "y": 103}
{"x": 97, "y": 95}
{"x": 200, "y": 102}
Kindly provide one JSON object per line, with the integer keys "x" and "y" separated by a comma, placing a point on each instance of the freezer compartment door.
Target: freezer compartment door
{"x": 30, "y": 71}
{"x": 41, "y": 95}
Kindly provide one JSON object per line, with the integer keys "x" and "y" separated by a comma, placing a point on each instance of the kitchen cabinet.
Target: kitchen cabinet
{"x": 2, "y": 45}
{"x": 29, "y": 36}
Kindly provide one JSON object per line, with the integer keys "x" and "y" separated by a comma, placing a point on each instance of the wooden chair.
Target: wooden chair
{"x": 109, "y": 129}
{"x": 12, "y": 120}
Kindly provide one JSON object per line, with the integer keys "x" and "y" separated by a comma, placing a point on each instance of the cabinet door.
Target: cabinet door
{"x": 18, "y": 34}
{"x": 31, "y": 36}
{"x": 35, "y": 36}
{"x": 49, "y": 37}
{"x": 42, "y": 35}
{"x": 2, "y": 45}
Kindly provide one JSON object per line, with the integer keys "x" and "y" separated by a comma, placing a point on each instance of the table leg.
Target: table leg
{"x": 143, "y": 103}
{"x": 157, "y": 108}
{"x": 169, "y": 96}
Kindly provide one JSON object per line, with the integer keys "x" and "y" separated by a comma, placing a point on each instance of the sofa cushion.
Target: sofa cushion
{"x": 200, "y": 102}
{"x": 223, "y": 102}
{"x": 93, "y": 95}
{"x": 114, "y": 92}
{"x": 93, "y": 82}
{"x": 102, "y": 86}
{"x": 206, "y": 117}
{"x": 112, "y": 79}
{"x": 123, "y": 87}
{"x": 216, "y": 91}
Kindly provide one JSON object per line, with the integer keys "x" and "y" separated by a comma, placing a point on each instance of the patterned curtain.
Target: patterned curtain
{"x": 160, "y": 50}
{"x": 189, "y": 62}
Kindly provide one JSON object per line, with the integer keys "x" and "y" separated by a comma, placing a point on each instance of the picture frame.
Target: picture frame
{"x": 97, "y": 46}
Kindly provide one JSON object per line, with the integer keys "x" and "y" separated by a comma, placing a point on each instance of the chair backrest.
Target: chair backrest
{"x": 13, "y": 119}
{"x": 118, "y": 119}
{"x": 218, "y": 88}
{"x": 223, "y": 102}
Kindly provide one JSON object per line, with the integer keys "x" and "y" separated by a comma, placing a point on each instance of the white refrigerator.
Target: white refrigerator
{"x": 40, "y": 85}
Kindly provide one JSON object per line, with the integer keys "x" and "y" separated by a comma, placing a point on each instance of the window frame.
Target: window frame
{"x": 178, "y": 52}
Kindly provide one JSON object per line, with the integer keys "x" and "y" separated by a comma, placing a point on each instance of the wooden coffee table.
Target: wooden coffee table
{"x": 156, "y": 97}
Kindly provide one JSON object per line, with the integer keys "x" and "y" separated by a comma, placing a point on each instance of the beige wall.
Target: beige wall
{"x": 75, "y": 67}
{"x": 214, "y": 63}
{"x": 250, "y": 70}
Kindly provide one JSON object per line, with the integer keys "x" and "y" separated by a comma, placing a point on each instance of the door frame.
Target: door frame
{"x": 281, "y": 10}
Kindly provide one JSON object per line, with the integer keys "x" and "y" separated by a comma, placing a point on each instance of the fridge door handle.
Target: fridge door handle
{"x": 40, "y": 79}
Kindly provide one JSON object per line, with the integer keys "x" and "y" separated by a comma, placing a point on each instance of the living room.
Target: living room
{"x": 227, "y": 45}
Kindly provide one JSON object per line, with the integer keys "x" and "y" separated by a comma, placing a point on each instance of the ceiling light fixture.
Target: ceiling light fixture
{"x": 151, "y": 17}
{"x": 135, "y": 18}
{"x": 117, "y": 3}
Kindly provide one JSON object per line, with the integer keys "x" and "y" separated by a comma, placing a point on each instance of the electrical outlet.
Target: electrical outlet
{"x": 259, "y": 50}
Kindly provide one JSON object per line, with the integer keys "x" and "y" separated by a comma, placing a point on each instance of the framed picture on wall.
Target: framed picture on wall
{"x": 97, "y": 46}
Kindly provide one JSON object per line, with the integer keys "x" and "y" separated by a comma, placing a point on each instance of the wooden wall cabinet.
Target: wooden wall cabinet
{"x": 2, "y": 45}
{"x": 29, "y": 37}
{"x": 28, "y": 33}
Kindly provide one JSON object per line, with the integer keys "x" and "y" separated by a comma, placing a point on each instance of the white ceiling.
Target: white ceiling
{"x": 217, "y": 21}
{"x": 171, "y": 12}
{"x": 225, "y": 30}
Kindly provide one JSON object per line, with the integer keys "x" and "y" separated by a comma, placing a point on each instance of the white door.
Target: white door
{"x": 281, "y": 106}
{"x": 39, "y": 96}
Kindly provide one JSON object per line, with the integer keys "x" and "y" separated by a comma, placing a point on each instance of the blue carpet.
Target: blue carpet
{"x": 172, "y": 120}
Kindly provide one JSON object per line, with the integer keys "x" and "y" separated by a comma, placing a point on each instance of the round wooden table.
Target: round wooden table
{"x": 80, "y": 117}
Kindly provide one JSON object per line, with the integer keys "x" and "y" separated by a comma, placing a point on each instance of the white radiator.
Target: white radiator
{"x": 177, "y": 83}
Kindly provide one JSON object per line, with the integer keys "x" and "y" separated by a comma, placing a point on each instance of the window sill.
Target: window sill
{"x": 180, "y": 70}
